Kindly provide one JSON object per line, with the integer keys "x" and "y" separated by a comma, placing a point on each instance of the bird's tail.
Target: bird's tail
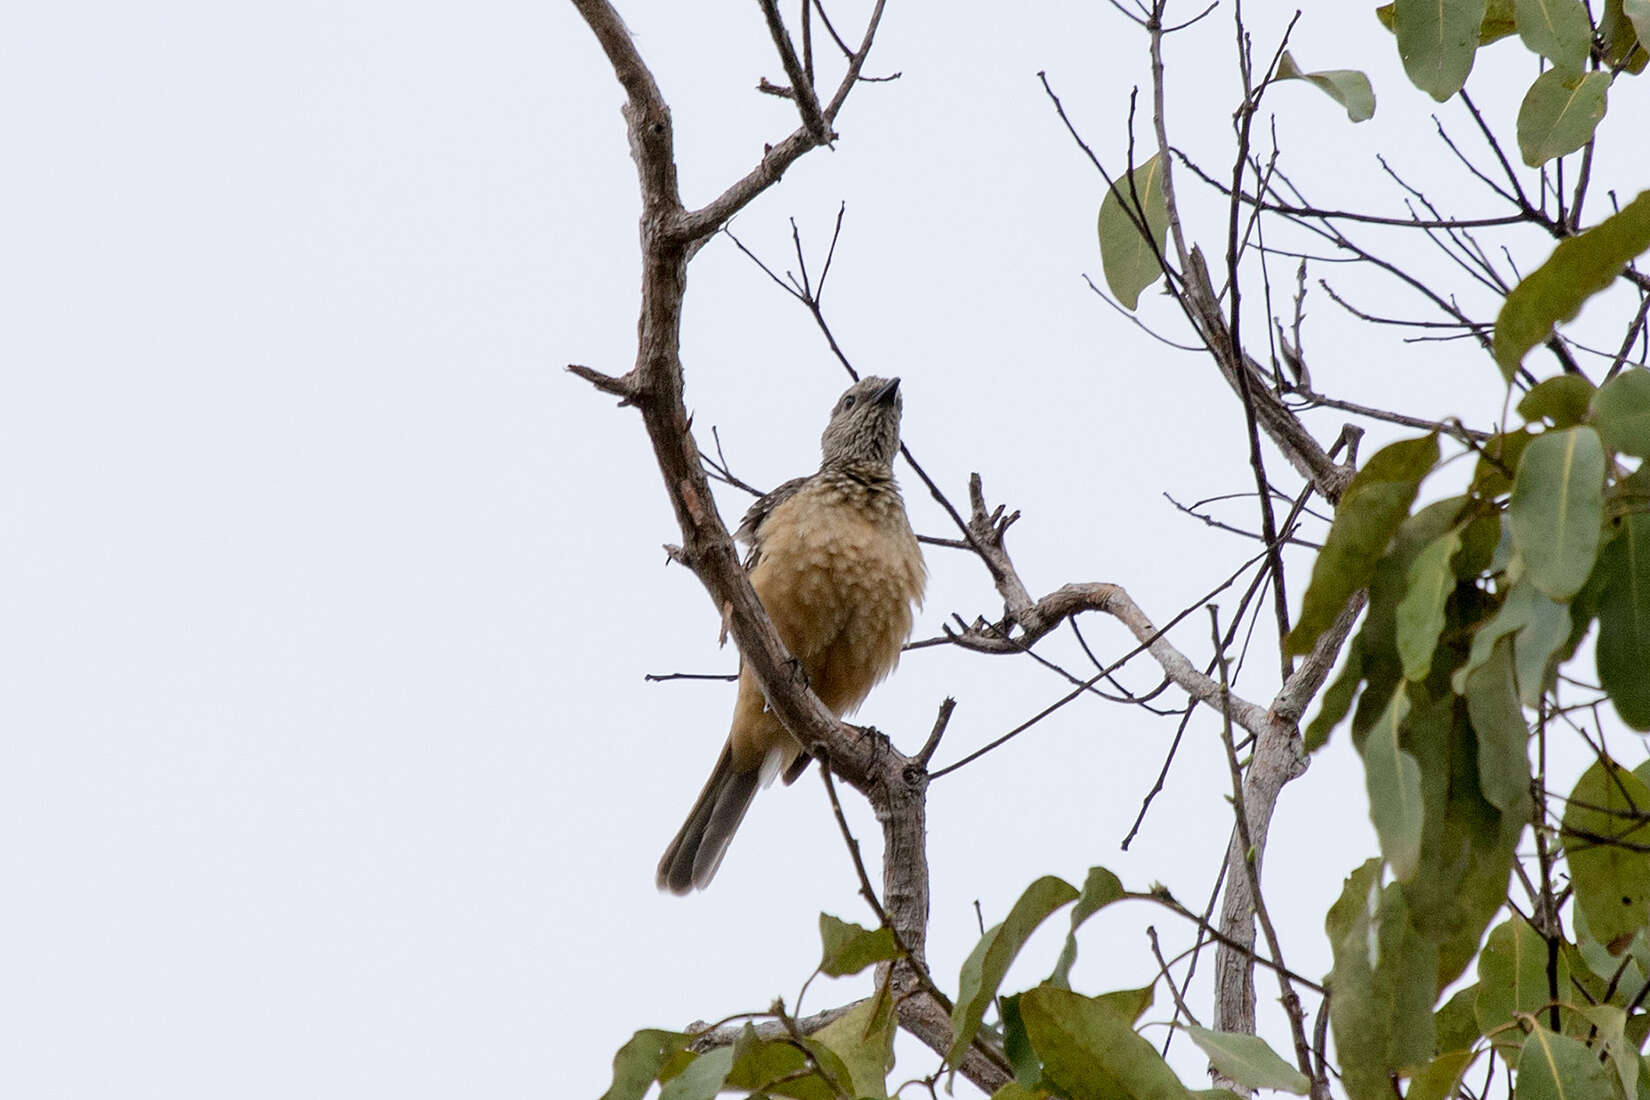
{"x": 692, "y": 858}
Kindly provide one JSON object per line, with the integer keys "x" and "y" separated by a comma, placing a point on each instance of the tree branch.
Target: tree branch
{"x": 895, "y": 784}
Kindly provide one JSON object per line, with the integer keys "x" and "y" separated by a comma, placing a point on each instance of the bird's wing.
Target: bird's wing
{"x": 750, "y": 528}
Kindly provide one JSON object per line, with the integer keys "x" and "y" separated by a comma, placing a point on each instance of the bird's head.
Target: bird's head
{"x": 864, "y": 424}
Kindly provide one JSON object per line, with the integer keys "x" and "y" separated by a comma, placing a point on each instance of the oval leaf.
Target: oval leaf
{"x": 1437, "y": 40}
{"x": 1512, "y": 977}
{"x": 1128, "y": 254}
{"x": 1578, "y": 268}
{"x": 1247, "y": 1060}
{"x": 1498, "y": 20}
{"x": 1621, "y": 408}
{"x": 1559, "y": 114}
{"x": 1623, "y": 649}
{"x": 1536, "y": 647}
{"x": 1557, "y": 1067}
{"x": 1394, "y": 781}
{"x": 1557, "y": 508}
{"x": 1503, "y": 738}
{"x": 1563, "y": 399}
{"x": 1558, "y": 30}
{"x": 1637, "y": 13}
{"x": 1091, "y": 1052}
{"x": 1612, "y": 883}
{"x": 1421, "y": 611}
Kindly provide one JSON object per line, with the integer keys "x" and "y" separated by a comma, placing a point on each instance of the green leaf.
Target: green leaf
{"x": 703, "y": 1078}
{"x": 1090, "y": 1052}
{"x": 1611, "y": 883}
{"x": 1623, "y": 649}
{"x": 1512, "y": 978}
{"x": 1128, "y": 1004}
{"x": 1621, "y": 409}
{"x": 1016, "y": 1091}
{"x": 1557, "y": 1067}
{"x": 1541, "y": 628}
{"x": 1609, "y": 1023}
{"x": 1100, "y": 889}
{"x": 1536, "y": 647}
{"x": 1559, "y": 114}
{"x": 1348, "y": 87}
{"x": 1369, "y": 514}
{"x": 1437, "y": 40}
{"x": 1372, "y": 656}
{"x": 1467, "y": 845}
{"x": 1337, "y": 700}
{"x": 983, "y": 970}
{"x": 1498, "y": 20}
{"x": 1579, "y": 267}
{"x": 849, "y": 948}
{"x": 1478, "y": 541}
{"x": 1421, "y": 611}
{"x": 1248, "y": 1060}
{"x": 1128, "y": 257}
{"x": 639, "y": 1062}
{"x": 1437, "y": 1080}
{"x": 1394, "y": 781}
{"x": 1558, "y": 30}
{"x": 780, "y": 1067}
{"x": 1383, "y": 984}
{"x": 863, "y": 1038}
{"x": 1557, "y": 508}
{"x": 1492, "y": 478}
{"x": 1028, "y": 1070}
{"x": 1377, "y": 640}
{"x": 1595, "y": 967}
{"x": 1503, "y": 737}
{"x": 1622, "y": 42}
{"x": 1514, "y": 615}
{"x": 1457, "y": 1021}
{"x": 1562, "y": 399}
{"x": 760, "y": 1064}
{"x": 1638, "y": 13}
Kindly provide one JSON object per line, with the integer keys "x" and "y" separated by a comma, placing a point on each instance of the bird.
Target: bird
{"x": 839, "y": 572}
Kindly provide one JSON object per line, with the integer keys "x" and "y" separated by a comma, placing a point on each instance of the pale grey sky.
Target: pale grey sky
{"x": 327, "y": 594}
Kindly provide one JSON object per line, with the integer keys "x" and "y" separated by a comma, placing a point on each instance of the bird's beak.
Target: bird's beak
{"x": 888, "y": 392}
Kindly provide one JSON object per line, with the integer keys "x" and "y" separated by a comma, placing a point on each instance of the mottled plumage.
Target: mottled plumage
{"x": 835, "y": 564}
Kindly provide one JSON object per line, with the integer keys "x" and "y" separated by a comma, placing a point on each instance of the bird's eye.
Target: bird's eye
{"x": 848, "y": 402}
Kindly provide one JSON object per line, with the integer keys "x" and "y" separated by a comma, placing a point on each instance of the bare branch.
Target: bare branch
{"x": 1246, "y": 842}
{"x": 802, "y": 85}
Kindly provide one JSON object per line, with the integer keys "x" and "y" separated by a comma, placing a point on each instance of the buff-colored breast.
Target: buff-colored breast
{"x": 838, "y": 573}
